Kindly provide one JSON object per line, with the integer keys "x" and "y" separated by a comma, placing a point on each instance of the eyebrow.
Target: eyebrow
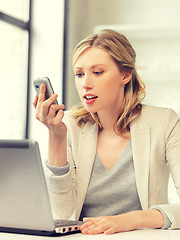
{"x": 96, "y": 65}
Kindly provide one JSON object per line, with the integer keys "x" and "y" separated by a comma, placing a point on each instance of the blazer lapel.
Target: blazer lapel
{"x": 86, "y": 156}
{"x": 140, "y": 138}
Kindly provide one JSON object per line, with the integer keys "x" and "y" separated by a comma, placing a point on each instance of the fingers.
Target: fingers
{"x": 50, "y": 100}
{"x": 46, "y": 104}
{"x": 107, "y": 225}
{"x": 110, "y": 224}
{"x": 94, "y": 225}
{"x": 111, "y": 230}
{"x": 35, "y": 101}
{"x": 49, "y": 113}
{"x": 46, "y": 108}
{"x": 86, "y": 219}
{"x": 55, "y": 110}
{"x": 42, "y": 93}
{"x": 39, "y": 100}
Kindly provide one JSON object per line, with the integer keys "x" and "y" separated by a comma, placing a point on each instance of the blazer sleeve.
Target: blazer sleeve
{"x": 62, "y": 189}
{"x": 173, "y": 161}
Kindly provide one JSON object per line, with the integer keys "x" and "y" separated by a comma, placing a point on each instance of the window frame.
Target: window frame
{"x": 25, "y": 26}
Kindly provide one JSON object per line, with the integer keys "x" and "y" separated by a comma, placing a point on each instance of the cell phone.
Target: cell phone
{"x": 49, "y": 89}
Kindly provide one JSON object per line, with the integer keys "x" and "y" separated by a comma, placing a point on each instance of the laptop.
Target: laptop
{"x": 24, "y": 201}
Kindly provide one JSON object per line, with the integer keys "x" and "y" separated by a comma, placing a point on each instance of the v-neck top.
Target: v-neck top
{"x": 114, "y": 191}
{"x": 111, "y": 192}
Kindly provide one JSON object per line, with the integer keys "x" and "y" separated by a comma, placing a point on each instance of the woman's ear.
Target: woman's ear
{"x": 127, "y": 78}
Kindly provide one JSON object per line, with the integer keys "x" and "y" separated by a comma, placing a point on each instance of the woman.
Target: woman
{"x": 109, "y": 159}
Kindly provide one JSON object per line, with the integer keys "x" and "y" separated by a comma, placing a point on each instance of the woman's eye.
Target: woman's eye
{"x": 79, "y": 75}
{"x": 98, "y": 72}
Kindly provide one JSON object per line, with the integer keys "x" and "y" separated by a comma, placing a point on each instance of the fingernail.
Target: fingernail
{"x": 55, "y": 95}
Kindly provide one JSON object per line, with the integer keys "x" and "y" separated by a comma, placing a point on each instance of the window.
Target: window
{"x": 14, "y": 62}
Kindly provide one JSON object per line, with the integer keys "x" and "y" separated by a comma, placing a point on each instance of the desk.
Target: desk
{"x": 145, "y": 234}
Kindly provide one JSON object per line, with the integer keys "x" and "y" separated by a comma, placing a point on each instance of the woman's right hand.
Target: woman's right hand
{"x": 50, "y": 114}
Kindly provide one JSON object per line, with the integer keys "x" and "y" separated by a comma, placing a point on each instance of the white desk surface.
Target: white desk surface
{"x": 145, "y": 234}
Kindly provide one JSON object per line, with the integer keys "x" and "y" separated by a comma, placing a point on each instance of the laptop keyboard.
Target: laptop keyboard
{"x": 60, "y": 223}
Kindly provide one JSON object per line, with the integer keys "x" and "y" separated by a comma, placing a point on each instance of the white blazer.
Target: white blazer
{"x": 155, "y": 138}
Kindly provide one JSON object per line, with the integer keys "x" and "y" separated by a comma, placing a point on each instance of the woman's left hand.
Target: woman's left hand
{"x": 125, "y": 222}
{"x": 109, "y": 224}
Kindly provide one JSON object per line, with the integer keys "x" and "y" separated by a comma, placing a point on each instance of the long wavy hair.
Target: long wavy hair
{"x": 124, "y": 56}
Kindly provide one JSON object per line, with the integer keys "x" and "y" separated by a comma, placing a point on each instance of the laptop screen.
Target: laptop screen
{"x": 24, "y": 200}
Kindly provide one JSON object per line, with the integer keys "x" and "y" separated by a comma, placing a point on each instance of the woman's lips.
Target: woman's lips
{"x": 90, "y": 98}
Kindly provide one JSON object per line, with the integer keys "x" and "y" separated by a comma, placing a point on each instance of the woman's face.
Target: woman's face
{"x": 99, "y": 82}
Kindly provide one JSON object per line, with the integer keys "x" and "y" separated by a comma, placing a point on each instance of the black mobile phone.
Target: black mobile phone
{"x": 49, "y": 89}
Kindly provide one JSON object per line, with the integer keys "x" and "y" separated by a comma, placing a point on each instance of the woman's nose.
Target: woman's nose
{"x": 87, "y": 82}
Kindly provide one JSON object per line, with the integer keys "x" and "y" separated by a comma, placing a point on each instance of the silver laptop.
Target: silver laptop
{"x": 24, "y": 200}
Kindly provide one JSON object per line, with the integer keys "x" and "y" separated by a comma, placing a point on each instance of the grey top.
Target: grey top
{"x": 111, "y": 192}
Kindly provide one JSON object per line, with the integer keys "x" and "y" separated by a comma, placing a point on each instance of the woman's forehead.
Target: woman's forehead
{"x": 93, "y": 56}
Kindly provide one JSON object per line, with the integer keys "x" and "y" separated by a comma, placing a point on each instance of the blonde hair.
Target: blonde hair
{"x": 124, "y": 56}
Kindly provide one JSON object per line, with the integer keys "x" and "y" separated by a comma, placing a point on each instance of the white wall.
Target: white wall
{"x": 46, "y": 59}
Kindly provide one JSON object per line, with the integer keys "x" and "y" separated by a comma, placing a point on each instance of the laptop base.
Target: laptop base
{"x": 35, "y": 232}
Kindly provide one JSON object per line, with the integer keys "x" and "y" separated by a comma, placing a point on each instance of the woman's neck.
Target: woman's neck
{"x": 107, "y": 120}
